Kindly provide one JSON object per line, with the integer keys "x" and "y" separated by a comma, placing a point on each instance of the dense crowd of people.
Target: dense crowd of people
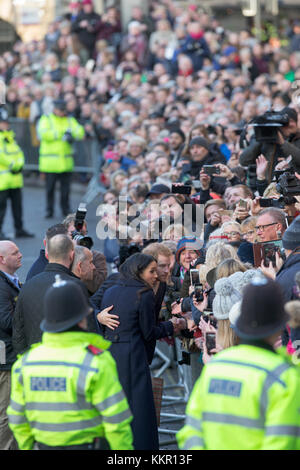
{"x": 200, "y": 215}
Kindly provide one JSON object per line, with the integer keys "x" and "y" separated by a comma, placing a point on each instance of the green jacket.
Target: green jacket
{"x": 66, "y": 391}
{"x": 56, "y": 154}
{"x": 11, "y": 162}
{"x": 246, "y": 398}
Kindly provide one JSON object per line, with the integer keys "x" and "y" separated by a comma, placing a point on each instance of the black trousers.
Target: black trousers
{"x": 65, "y": 184}
{"x": 15, "y": 196}
{"x": 99, "y": 443}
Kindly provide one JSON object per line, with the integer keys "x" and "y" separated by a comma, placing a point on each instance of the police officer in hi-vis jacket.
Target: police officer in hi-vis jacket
{"x": 57, "y": 132}
{"x": 11, "y": 178}
{"x": 65, "y": 391}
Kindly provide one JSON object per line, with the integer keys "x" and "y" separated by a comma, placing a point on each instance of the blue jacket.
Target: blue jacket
{"x": 196, "y": 49}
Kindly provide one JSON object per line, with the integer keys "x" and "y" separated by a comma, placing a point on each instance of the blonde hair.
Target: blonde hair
{"x": 230, "y": 266}
{"x": 226, "y": 336}
{"x": 271, "y": 191}
{"x": 215, "y": 254}
{"x": 235, "y": 224}
{"x": 249, "y": 223}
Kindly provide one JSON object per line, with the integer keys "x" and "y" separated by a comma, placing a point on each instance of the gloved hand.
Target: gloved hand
{"x": 13, "y": 170}
{"x": 67, "y": 137}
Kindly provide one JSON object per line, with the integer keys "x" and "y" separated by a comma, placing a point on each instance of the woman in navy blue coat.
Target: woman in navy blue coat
{"x": 133, "y": 342}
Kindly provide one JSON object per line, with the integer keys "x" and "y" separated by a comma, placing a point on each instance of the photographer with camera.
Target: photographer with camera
{"x": 276, "y": 135}
{"x": 57, "y": 133}
{"x": 77, "y": 229}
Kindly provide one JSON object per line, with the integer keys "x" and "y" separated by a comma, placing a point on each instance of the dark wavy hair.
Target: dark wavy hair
{"x": 134, "y": 266}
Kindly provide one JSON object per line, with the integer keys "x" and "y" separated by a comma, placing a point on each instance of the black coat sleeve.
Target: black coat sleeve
{"x": 18, "y": 333}
{"x": 6, "y": 309}
{"x": 151, "y": 331}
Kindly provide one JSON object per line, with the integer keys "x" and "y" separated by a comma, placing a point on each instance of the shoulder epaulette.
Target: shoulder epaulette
{"x": 94, "y": 350}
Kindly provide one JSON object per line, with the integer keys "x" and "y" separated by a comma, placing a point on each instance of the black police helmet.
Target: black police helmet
{"x": 65, "y": 305}
{"x": 60, "y": 104}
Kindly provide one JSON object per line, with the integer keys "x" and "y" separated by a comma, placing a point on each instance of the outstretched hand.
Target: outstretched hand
{"x": 108, "y": 319}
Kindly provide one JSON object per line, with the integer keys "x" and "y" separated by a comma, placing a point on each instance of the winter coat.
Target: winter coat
{"x": 133, "y": 344}
{"x": 85, "y": 36}
{"x": 30, "y": 305}
{"x": 8, "y": 297}
{"x": 38, "y": 266}
{"x": 290, "y": 147}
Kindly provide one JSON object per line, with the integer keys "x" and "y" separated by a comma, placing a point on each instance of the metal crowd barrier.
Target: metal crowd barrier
{"x": 87, "y": 155}
{"x": 184, "y": 386}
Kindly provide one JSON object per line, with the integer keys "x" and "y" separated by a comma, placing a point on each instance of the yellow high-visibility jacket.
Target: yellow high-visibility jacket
{"x": 247, "y": 397}
{"x": 56, "y": 154}
{"x": 66, "y": 391}
{"x": 11, "y": 161}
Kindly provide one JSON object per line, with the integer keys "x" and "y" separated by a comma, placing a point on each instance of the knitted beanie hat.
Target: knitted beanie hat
{"x": 201, "y": 141}
{"x": 226, "y": 297}
{"x": 234, "y": 313}
{"x": 240, "y": 280}
{"x": 188, "y": 243}
{"x": 291, "y": 237}
{"x": 236, "y": 279}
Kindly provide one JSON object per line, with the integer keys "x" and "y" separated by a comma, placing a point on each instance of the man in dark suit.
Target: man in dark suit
{"x": 10, "y": 262}
{"x": 29, "y": 310}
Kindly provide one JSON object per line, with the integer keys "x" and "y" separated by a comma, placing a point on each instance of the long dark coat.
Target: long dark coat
{"x": 132, "y": 346}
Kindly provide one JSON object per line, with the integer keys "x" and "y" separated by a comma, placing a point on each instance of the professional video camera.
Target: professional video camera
{"x": 288, "y": 184}
{"x": 79, "y": 222}
{"x": 266, "y": 126}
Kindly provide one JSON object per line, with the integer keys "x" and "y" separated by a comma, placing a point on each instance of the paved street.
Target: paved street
{"x": 34, "y": 221}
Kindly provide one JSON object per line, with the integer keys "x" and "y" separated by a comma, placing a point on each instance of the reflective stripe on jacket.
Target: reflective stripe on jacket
{"x": 63, "y": 393}
{"x": 56, "y": 154}
{"x": 247, "y": 397}
{"x": 11, "y": 158}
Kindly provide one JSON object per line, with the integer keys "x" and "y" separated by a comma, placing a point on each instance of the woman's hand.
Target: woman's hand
{"x": 207, "y": 357}
{"x": 206, "y": 327}
{"x": 201, "y": 305}
{"x": 178, "y": 324}
{"x": 108, "y": 319}
{"x": 272, "y": 270}
{"x": 176, "y": 308}
{"x": 191, "y": 325}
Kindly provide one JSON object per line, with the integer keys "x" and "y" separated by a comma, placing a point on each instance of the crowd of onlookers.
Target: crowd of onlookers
{"x": 165, "y": 96}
